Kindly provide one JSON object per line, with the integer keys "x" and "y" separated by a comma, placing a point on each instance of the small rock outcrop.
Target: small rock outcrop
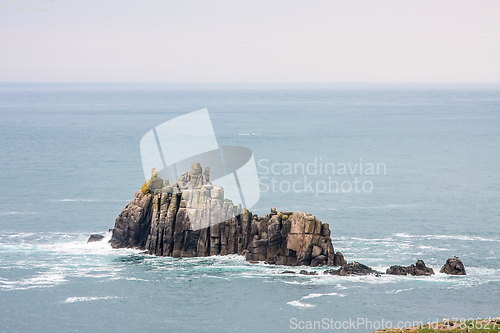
{"x": 302, "y": 272}
{"x": 417, "y": 269}
{"x": 453, "y": 266}
{"x": 95, "y": 238}
{"x": 353, "y": 268}
{"x": 191, "y": 218}
{"x": 338, "y": 260}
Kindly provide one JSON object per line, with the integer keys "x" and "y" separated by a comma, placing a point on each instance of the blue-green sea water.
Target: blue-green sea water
{"x": 70, "y": 161}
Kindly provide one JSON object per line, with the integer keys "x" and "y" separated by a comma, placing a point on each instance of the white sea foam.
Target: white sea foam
{"x": 14, "y": 212}
{"x": 450, "y": 237}
{"x": 398, "y": 291}
{"x": 69, "y": 255}
{"x": 58, "y": 243}
{"x": 340, "y": 287}
{"x": 65, "y": 256}
{"x": 432, "y": 248}
{"x": 369, "y": 240}
{"x": 19, "y": 235}
{"x": 319, "y": 295}
{"x": 135, "y": 279}
{"x": 77, "y": 245}
{"x": 300, "y": 304}
{"x": 216, "y": 277}
{"x": 87, "y": 299}
{"x": 44, "y": 280}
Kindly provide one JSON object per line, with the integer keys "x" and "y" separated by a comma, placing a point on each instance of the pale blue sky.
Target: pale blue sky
{"x": 252, "y": 41}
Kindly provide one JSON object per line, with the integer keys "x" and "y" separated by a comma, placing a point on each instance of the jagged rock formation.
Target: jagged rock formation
{"x": 354, "y": 268}
{"x": 453, "y": 266}
{"x": 417, "y": 269}
{"x": 184, "y": 220}
{"x": 289, "y": 238}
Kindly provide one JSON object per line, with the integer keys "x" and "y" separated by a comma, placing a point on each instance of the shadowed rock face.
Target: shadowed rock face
{"x": 453, "y": 266}
{"x": 417, "y": 269}
{"x": 133, "y": 224}
{"x": 338, "y": 260}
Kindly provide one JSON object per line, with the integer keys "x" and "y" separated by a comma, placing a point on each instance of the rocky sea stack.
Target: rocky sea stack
{"x": 184, "y": 220}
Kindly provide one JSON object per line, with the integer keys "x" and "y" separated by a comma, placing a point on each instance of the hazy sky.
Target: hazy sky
{"x": 252, "y": 41}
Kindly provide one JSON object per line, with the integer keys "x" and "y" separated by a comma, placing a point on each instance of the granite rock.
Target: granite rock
{"x": 417, "y": 269}
{"x": 354, "y": 268}
{"x": 453, "y": 266}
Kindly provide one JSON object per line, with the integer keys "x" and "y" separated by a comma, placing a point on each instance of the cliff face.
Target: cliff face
{"x": 184, "y": 220}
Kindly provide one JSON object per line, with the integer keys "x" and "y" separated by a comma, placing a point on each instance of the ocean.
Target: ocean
{"x": 400, "y": 172}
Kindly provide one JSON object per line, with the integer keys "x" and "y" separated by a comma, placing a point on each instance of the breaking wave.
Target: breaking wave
{"x": 300, "y": 304}
{"x": 14, "y": 212}
{"x": 87, "y": 299}
{"x": 449, "y": 237}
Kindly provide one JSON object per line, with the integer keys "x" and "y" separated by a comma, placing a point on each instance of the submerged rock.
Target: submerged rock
{"x": 354, "y": 268}
{"x": 95, "y": 238}
{"x": 417, "y": 269}
{"x": 302, "y": 272}
{"x": 453, "y": 266}
{"x": 287, "y": 272}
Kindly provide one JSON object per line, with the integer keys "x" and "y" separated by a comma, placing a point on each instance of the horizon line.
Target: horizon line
{"x": 264, "y": 82}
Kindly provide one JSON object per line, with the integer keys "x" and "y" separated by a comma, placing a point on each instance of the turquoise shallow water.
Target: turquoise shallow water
{"x": 71, "y": 161}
